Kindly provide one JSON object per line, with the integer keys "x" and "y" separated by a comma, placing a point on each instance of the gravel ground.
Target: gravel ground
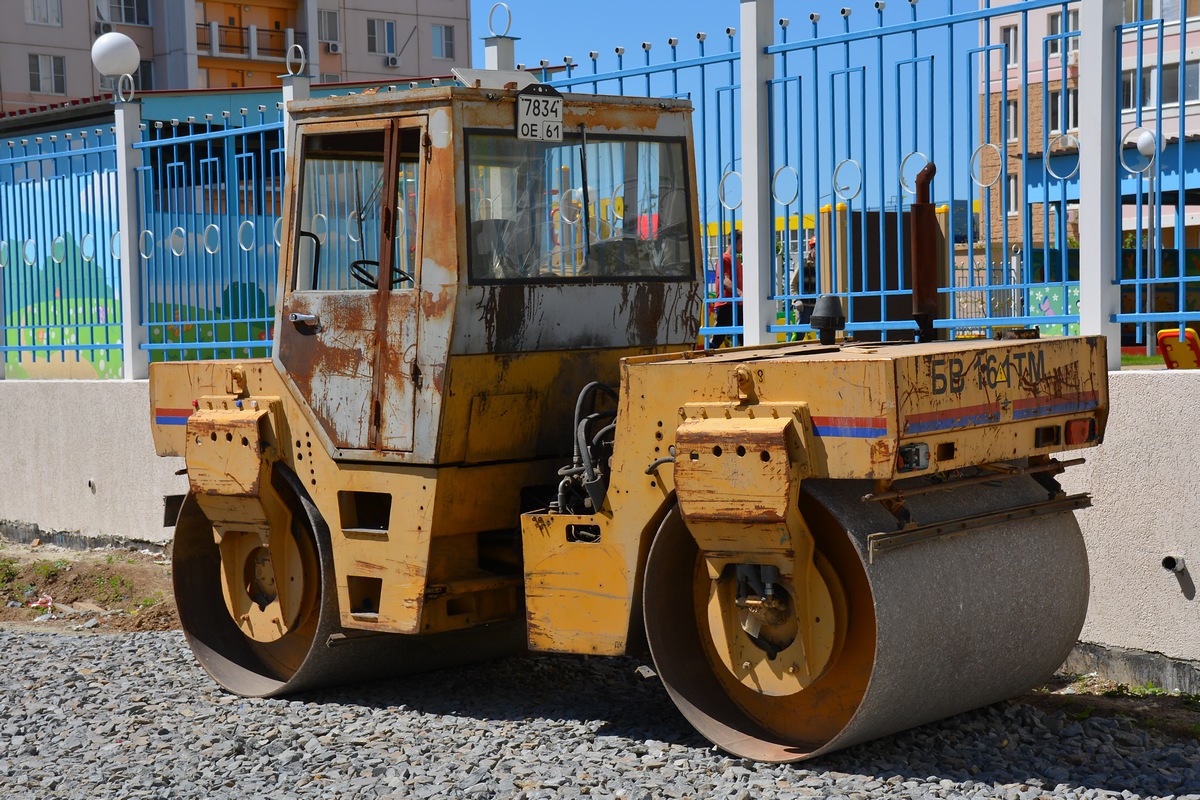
{"x": 133, "y": 715}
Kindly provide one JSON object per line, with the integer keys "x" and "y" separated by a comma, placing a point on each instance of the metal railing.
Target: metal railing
{"x": 210, "y": 200}
{"x": 853, "y": 113}
{"x": 60, "y": 258}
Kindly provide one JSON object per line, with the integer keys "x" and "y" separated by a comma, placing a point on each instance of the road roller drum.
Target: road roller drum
{"x": 485, "y": 428}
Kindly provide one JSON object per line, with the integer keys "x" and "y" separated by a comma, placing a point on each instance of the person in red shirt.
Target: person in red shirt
{"x": 729, "y": 287}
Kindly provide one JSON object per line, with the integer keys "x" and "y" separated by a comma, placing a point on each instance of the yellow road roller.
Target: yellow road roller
{"x": 485, "y": 429}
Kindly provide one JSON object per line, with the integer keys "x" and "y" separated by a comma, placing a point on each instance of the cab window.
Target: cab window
{"x": 530, "y": 219}
{"x": 352, "y": 204}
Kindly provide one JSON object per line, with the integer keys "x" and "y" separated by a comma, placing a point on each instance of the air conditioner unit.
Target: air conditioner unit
{"x": 392, "y": 61}
{"x": 333, "y": 47}
{"x": 1072, "y": 58}
{"x": 102, "y": 28}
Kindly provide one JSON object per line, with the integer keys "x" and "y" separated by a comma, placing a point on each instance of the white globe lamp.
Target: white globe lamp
{"x": 115, "y": 54}
{"x": 1146, "y": 144}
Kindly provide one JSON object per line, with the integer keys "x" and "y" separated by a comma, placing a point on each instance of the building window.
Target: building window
{"x": 1014, "y": 194}
{"x": 1008, "y": 36}
{"x": 143, "y": 78}
{"x": 129, "y": 12}
{"x": 328, "y": 29}
{"x": 1138, "y": 10}
{"x": 381, "y": 36}
{"x": 1054, "y": 110}
{"x": 1012, "y": 119}
{"x": 1129, "y": 97}
{"x": 443, "y": 41}
{"x": 47, "y": 74}
{"x": 44, "y": 12}
{"x": 329, "y": 77}
{"x": 1170, "y": 85}
{"x": 1053, "y": 45}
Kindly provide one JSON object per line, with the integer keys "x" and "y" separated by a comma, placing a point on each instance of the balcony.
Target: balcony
{"x": 251, "y": 42}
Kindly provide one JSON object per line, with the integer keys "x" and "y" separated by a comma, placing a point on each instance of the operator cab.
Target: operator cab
{"x": 421, "y": 230}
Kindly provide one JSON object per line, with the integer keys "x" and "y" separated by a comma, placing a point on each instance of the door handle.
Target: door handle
{"x": 310, "y": 320}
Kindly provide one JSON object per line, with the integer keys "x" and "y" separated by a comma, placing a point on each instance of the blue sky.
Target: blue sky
{"x": 552, "y": 30}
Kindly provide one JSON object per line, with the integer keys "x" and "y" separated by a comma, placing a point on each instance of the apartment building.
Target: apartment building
{"x": 45, "y": 45}
{"x": 1031, "y": 84}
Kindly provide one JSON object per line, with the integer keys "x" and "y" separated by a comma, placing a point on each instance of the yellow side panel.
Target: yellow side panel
{"x": 397, "y": 556}
{"x": 975, "y": 403}
{"x": 502, "y": 424}
{"x": 576, "y": 592}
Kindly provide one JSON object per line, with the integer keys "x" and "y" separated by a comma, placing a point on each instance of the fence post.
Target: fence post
{"x": 127, "y": 117}
{"x": 758, "y": 245}
{"x": 295, "y": 87}
{"x": 1099, "y": 292}
{"x": 499, "y": 52}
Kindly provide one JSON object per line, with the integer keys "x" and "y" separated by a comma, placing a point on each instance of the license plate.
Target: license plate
{"x": 539, "y": 117}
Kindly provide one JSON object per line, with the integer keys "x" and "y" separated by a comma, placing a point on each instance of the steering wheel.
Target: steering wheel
{"x": 367, "y": 278}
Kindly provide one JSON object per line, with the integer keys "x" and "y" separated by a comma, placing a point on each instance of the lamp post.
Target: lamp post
{"x": 1147, "y": 145}
{"x": 116, "y": 56}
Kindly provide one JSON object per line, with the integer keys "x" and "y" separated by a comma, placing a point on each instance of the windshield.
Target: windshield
{"x": 530, "y": 219}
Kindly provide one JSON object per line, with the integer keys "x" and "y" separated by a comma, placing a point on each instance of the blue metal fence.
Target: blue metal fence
{"x": 60, "y": 261}
{"x": 1160, "y": 95}
{"x": 210, "y": 200}
{"x": 858, "y": 104}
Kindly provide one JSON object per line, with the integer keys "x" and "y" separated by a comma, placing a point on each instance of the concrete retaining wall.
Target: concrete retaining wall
{"x": 1145, "y": 486}
{"x": 78, "y": 459}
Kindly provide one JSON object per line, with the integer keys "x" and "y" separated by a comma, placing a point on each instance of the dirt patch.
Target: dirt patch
{"x": 104, "y": 590}
{"x": 1149, "y": 707}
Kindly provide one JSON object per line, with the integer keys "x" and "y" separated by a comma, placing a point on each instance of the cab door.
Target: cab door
{"x": 349, "y": 328}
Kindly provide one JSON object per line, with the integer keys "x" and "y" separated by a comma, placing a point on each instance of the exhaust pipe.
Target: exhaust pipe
{"x": 923, "y": 247}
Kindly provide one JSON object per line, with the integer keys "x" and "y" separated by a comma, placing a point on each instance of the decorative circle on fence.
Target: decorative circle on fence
{"x": 241, "y": 235}
{"x": 3, "y": 253}
{"x": 616, "y": 205}
{"x": 216, "y": 248}
{"x": 295, "y": 60}
{"x": 113, "y": 241}
{"x": 570, "y": 208}
{"x": 507, "y": 19}
{"x": 86, "y": 244}
{"x": 56, "y": 255}
{"x": 350, "y": 223}
{"x": 904, "y": 162}
{"x": 840, "y": 190}
{"x": 1068, "y": 138}
{"x": 142, "y": 248}
{"x": 721, "y": 190}
{"x": 125, "y": 89}
{"x": 324, "y": 227}
{"x": 178, "y": 241}
{"x": 795, "y": 176}
{"x": 277, "y": 232}
{"x": 978, "y": 179}
{"x": 29, "y": 252}
{"x": 1131, "y": 138}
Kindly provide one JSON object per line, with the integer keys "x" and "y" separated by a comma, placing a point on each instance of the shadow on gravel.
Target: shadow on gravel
{"x": 609, "y": 691}
{"x": 1012, "y": 745}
